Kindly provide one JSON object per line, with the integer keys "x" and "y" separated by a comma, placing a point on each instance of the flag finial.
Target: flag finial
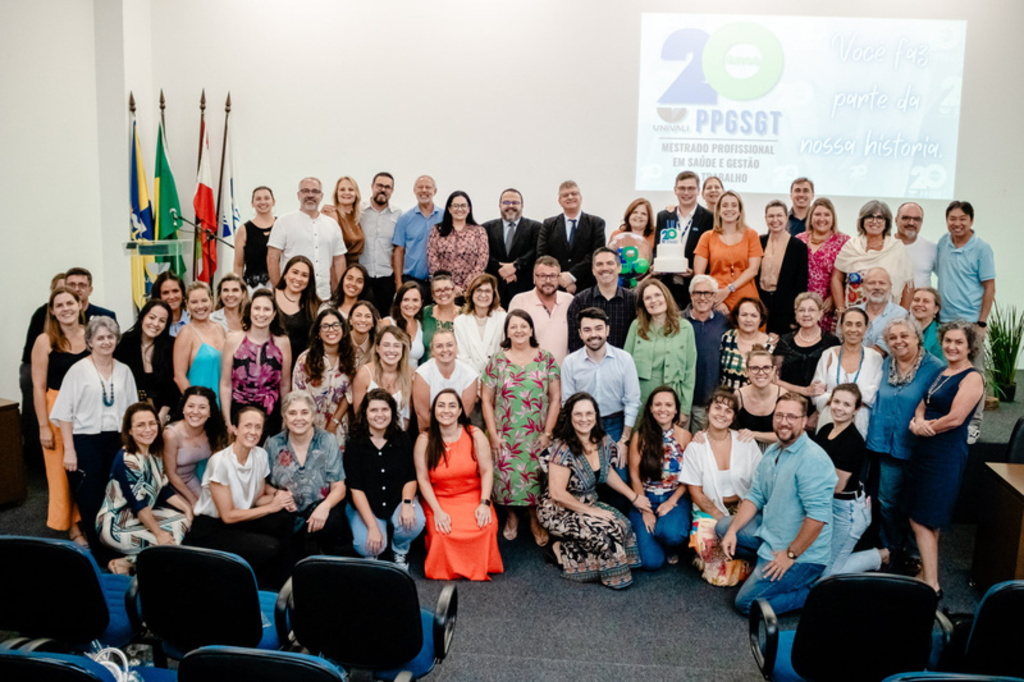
{"x": 131, "y": 101}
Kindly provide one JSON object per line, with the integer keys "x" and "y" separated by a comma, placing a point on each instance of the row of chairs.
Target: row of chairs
{"x": 870, "y": 627}
{"x": 357, "y": 613}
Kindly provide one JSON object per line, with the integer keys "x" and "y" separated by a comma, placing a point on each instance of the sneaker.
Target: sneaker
{"x": 402, "y": 560}
{"x": 973, "y": 433}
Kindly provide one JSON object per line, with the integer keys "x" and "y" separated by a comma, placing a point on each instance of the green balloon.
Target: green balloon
{"x": 632, "y": 282}
{"x": 641, "y": 266}
{"x": 629, "y": 253}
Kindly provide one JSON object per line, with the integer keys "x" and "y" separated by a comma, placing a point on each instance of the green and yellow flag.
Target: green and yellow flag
{"x": 165, "y": 198}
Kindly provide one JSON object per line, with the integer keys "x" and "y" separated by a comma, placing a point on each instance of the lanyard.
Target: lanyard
{"x": 839, "y": 366}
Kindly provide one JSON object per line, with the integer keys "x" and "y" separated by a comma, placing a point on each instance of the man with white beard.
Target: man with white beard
{"x": 879, "y": 307}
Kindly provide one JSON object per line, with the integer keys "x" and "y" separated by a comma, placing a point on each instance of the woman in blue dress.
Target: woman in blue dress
{"x": 938, "y": 461}
{"x": 198, "y": 345}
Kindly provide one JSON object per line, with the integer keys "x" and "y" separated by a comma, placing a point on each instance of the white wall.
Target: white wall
{"x": 481, "y": 95}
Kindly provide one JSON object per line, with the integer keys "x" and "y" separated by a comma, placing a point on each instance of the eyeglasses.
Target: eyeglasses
{"x": 539, "y": 276}
{"x": 782, "y": 417}
{"x": 444, "y": 290}
{"x": 760, "y": 370}
{"x": 874, "y": 218}
{"x": 511, "y": 203}
{"x": 333, "y": 327}
{"x": 459, "y": 207}
{"x": 310, "y": 191}
{"x": 703, "y": 293}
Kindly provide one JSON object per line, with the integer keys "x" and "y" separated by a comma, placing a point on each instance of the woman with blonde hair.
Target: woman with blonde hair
{"x": 389, "y": 369}
{"x": 232, "y": 297}
{"x": 731, "y": 252}
{"x": 199, "y": 344}
{"x": 345, "y": 210}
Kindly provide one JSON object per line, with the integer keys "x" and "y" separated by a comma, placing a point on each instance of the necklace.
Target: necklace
{"x": 292, "y": 300}
{"x": 727, "y": 436}
{"x": 816, "y": 335}
{"x": 936, "y": 385}
{"x": 108, "y": 401}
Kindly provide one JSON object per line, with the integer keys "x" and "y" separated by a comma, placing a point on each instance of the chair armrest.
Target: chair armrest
{"x": 404, "y": 676}
{"x": 281, "y": 608}
{"x": 762, "y": 614}
{"x": 131, "y": 605}
{"x": 445, "y": 614}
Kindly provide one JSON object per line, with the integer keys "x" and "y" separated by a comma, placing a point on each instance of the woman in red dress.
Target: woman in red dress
{"x": 455, "y": 474}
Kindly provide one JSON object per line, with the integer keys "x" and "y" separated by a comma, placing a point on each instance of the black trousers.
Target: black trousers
{"x": 383, "y": 289}
{"x": 265, "y": 543}
{"x": 331, "y": 539}
{"x": 89, "y": 483}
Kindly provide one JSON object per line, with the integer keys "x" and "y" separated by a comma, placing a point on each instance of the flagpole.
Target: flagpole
{"x": 197, "y": 244}
{"x": 163, "y": 105}
{"x": 223, "y": 151}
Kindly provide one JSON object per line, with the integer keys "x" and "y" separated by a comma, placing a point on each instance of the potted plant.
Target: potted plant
{"x": 1005, "y": 333}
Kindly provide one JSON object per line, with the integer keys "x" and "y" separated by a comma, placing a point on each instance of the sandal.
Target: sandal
{"x": 120, "y": 566}
{"x": 76, "y": 536}
{"x": 511, "y": 531}
{"x": 541, "y": 538}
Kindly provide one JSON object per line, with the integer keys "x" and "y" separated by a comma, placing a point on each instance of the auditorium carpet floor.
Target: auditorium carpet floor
{"x": 530, "y": 624}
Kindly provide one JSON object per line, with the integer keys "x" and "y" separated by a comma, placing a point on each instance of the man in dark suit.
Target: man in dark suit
{"x": 571, "y": 238}
{"x": 692, "y": 220}
{"x": 513, "y": 244}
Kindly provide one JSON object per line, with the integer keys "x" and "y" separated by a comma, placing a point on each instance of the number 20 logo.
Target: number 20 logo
{"x": 706, "y": 62}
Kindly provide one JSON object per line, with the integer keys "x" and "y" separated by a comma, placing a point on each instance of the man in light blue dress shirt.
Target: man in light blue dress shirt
{"x": 785, "y": 520}
{"x": 411, "y": 232}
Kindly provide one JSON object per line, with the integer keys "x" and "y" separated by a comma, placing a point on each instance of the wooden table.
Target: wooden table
{"x": 999, "y": 544}
{"x": 12, "y": 463}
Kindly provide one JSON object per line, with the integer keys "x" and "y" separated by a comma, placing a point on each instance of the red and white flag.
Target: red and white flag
{"x": 206, "y": 213}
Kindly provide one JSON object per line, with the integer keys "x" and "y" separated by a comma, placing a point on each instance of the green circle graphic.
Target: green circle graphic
{"x": 742, "y": 33}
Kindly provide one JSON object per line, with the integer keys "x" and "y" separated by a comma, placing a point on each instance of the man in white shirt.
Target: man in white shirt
{"x": 308, "y": 232}
{"x": 378, "y": 221}
{"x": 691, "y": 220}
{"x": 909, "y": 217}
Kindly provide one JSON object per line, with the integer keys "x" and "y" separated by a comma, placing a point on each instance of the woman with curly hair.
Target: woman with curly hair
{"x": 325, "y": 371}
{"x": 595, "y": 541}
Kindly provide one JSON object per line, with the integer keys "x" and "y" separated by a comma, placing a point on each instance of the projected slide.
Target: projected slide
{"x": 864, "y": 107}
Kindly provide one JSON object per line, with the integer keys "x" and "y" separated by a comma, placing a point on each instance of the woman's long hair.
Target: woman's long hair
{"x": 163, "y": 344}
{"x": 338, "y": 297}
{"x": 309, "y": 302}
{"x": 58, "y": 341}
{"x": 315, "y": 363}
{"x": 215, "y": 429}
{"x": 644, "y": 319}
{"x": 396, "y": 305}
{"x": 404, "y": 371}
{"x": 276, "y": 327}
{"x": 435, "y": 442}
{"x": 128, "y": 441}
{"x": 447, "y": 223}
{"x": 649, "y": 439}
{"x": 564, "y": 430}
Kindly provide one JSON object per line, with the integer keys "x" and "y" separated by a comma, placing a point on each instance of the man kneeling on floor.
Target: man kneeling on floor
{"x": 785, "y": 521}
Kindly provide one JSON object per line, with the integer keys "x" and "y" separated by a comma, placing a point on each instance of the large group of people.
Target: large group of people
{"x": 365, "y": 376}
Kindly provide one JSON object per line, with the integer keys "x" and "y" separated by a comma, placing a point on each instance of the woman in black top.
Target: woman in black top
{"x": 783, "y": 272}
{"x": 757, "y": 400}
{"x": 297, "y": 302}
{"x": 148, "y": 350}
{"x": 251, "y": 241}
{"x": 797, "y": 354}
{"x": 851, "y": 509}
{"x": 382, "y": 481}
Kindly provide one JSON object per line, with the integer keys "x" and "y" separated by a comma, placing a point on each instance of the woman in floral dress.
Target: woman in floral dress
{"x": 325, "y": 371}
{"x": 824, "y": 242}
{"x": 521, "y": 394}
{"x": 595, "y": 541}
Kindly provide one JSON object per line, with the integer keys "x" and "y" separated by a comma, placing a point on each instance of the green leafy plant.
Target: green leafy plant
{"x": 1004, "y": 337}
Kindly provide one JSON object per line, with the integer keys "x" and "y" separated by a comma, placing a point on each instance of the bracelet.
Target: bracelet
{"x": 732, "y": 288}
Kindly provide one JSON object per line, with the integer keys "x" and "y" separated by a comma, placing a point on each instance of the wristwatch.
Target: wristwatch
{"x": 485, "y": 500}
{"x": 982, "y": 323}
{"x": 406, "y": 501}
{"x": 791, "y": 554}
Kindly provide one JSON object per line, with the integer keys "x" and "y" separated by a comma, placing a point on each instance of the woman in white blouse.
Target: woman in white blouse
{"x": 89, "y": 408}
{"x": 718, "y": 469}
{"x": 479, "y": 328}
{"x": 850, "y": 363}
{"x": 443, "y": 370}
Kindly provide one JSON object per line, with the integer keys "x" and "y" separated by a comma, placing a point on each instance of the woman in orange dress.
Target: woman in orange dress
{"x": 731, "y": 252}
{"x": 455, "y": 474}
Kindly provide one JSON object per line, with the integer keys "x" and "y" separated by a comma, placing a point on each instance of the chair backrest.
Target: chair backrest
{"x": 50, "y": 588}
{"x": 996, "y": 643}
{"x": 192, "y": 597}
{"x": 1015, "y": 448}
{"x": 358, "y": 612}
{"x": 863, "y": 627}
{"x": 220, "y": 663}
{"x": 16, "y": 666}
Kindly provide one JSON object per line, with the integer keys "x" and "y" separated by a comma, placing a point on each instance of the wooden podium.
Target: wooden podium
{"x": 999, "y": 543}
{"x": 12, "y": 464}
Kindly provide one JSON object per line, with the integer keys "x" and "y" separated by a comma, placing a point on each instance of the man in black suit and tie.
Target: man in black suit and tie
{"x": 692, "y": 220}
{"x": 513, "y": 244}
{"x": 571, "y": 238}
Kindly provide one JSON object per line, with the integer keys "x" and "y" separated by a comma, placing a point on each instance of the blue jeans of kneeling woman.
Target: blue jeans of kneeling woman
{"x": 401, "y": 538}
{"x": 671, "y": 531}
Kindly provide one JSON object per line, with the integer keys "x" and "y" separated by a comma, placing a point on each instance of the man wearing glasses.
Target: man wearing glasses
{"x": 909, "y": 217}
{"x": 708, "y": 327}
{"x": 378, "y": 219}
{"x": 690, "y": 220}
{"x": 547, "y": 307}
{"x": 308, "y": 232}
{"x": 785, "y": 520}
{"x": 513, "y": 245}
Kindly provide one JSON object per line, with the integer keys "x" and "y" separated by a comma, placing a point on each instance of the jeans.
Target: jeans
{"x": 747, "y": 541}
{"x": 402, "y": 537}
{"x": 671, "y": 531}
{"x": 613, "y": 427}
{"x": 786, "y": 594}
{"x": 892, "y": 480}
{"x": 850, "y": 518}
